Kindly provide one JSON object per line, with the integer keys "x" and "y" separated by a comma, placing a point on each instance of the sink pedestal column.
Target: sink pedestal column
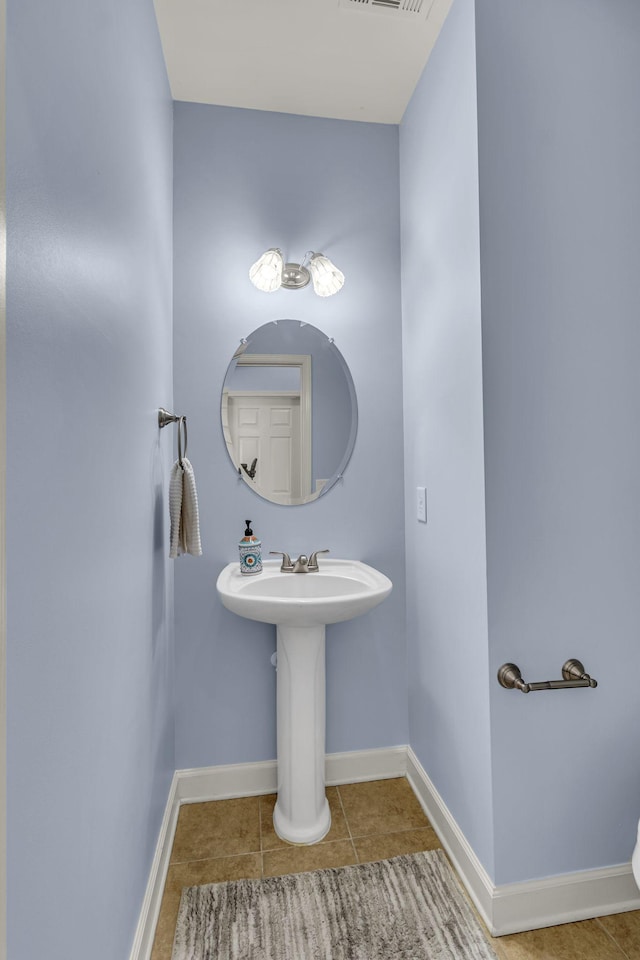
{"x": 301, "y": 813}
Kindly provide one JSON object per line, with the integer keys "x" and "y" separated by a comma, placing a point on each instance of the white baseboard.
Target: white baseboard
{"x": 360, "y": 765}
{"x": 231, "y": 780}
{"x": 564, "y": 898}
{"x": 514, "y": 907}
{"x": 471, "y": 872}
{"x": 254, "y": 779}
{"x": 143, "y": 939}
{"x": 509, "y": 908}
{"x": 242, "y": 780}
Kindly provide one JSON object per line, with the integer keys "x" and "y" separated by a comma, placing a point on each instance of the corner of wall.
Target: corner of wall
{"x": 447, "y": 627}
{"x": 3, "y": 457}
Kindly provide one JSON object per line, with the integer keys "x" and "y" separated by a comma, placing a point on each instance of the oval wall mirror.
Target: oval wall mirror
{"x": 289, "y": 412}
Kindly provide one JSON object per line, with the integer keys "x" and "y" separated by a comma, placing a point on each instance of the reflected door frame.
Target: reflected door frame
{"x": 303, "y": 362}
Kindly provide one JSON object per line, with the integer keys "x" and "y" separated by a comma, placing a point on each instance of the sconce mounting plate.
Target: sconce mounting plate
{"x": 294, "y": 276}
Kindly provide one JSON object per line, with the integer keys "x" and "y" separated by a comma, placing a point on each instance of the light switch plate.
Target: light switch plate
{"x": 421, "y": 503}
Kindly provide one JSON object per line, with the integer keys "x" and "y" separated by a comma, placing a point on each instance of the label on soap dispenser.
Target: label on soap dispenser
{"x": 250, "y": 556}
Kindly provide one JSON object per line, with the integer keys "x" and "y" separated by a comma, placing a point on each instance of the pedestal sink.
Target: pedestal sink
{"x": 300, "y": 605}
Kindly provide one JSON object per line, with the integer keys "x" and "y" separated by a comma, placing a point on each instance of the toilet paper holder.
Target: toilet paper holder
{"x": 573, "y": 675}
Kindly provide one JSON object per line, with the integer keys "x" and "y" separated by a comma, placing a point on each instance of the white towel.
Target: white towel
{"x": 183, "y": 510}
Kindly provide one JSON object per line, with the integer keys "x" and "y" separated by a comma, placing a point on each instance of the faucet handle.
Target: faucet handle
{"x": 312, "y": 566}
{"x": 287, "y": 566}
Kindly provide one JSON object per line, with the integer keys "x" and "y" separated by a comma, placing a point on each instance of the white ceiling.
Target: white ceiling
{"x": 311, "y": 57}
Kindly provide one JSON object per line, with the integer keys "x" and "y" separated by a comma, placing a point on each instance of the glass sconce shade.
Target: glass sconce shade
{"x": 270, "y": 273}
{"x": 266, "y": 273}
{"x": 326, "y": 277}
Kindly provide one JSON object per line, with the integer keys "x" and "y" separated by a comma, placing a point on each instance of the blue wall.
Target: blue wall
{"x": 246, "y": 181}
{"x": 446, "y": 570}
{"x": 559, "y": 132}
{"x": 553, "y": 386}
{"x": 90, "y": 741}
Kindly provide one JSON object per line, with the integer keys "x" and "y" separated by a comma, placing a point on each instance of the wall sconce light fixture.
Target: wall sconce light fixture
{"x": 270, "y": 272}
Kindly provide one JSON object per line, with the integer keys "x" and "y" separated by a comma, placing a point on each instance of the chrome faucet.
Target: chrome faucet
{"x": 303, "y": 564}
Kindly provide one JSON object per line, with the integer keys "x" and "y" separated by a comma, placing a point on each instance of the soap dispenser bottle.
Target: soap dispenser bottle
{"x": 250, "y": 552}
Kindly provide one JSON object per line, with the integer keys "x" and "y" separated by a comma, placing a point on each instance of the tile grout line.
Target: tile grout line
{"x": 260, "y": 837}
{"x": 346, "y": 820}
{"x": 224, "y": 856}
{"x": 260, "y": 824}
{"x": 344, "y": 813}
{"x": 612, "y": 938}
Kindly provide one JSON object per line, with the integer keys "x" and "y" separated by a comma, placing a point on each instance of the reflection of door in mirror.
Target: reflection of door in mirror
{"x": 265, "y": 433}
{"x": 267, "y": 427}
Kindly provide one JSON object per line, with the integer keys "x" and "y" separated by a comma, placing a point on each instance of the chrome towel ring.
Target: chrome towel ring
{"x": 164, "y": 418}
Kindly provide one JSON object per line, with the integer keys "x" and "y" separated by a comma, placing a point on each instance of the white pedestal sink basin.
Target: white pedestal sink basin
{"x": 301, "y": 604}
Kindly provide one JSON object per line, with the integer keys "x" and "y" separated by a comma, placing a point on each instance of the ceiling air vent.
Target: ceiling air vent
{"x": 398, "y": 8}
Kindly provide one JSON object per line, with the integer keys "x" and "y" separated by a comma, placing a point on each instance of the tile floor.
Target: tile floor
{"x": 231, "y": 839}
